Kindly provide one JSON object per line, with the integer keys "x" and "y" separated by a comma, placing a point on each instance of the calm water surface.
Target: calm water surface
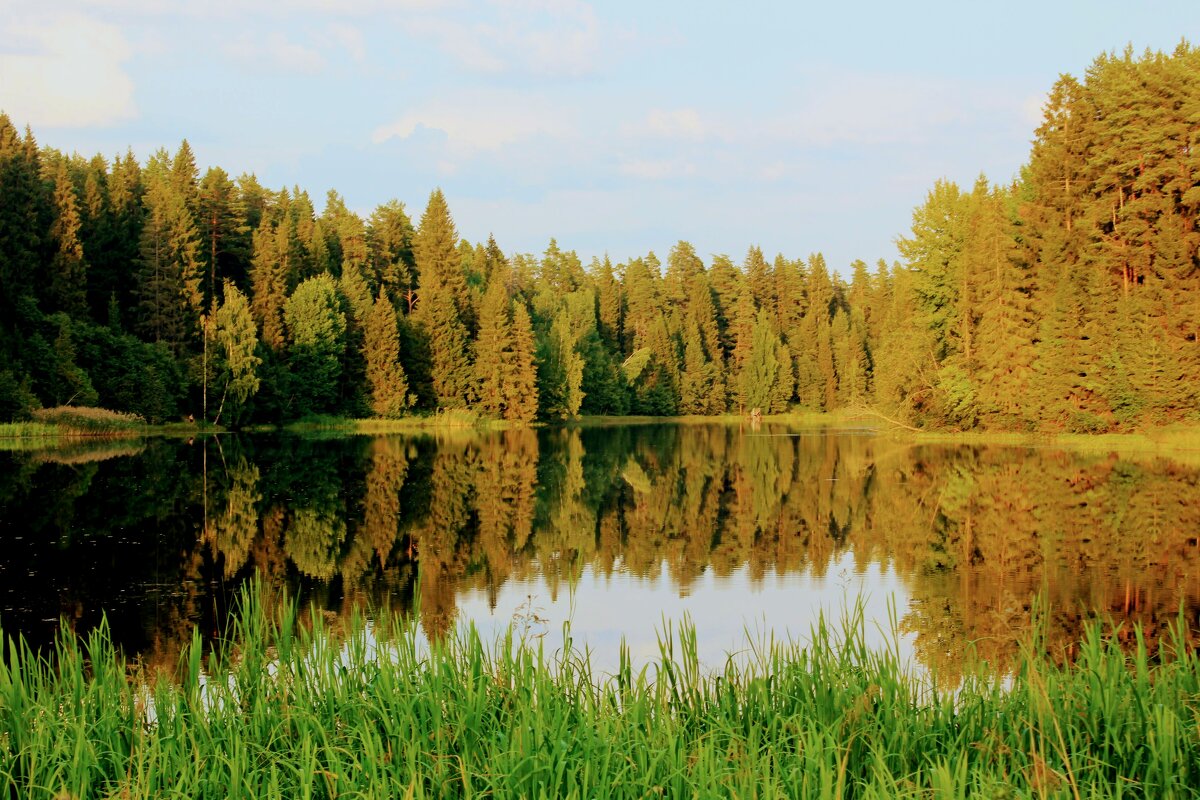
{"x": 616, "y": 529}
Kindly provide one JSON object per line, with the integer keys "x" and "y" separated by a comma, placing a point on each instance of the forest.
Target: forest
{"x": 1065, "y": 300}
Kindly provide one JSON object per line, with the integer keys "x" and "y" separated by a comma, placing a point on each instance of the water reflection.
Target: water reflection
{"x": 455, "y": 521}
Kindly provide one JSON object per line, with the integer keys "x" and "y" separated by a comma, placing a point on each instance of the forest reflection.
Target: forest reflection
{"x": 979, "y": 535}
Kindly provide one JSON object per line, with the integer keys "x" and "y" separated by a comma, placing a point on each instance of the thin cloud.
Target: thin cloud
{"x": 481, "y": 123}
{"x": 65, "y": 71}
{"x": 277, "y": 51}
{"x": 657, "y": 169}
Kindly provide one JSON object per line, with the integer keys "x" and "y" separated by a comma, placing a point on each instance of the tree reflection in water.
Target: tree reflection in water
{"x": 160, "y": 536}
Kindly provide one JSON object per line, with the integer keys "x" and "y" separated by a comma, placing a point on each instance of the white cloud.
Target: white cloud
{"x": 680, "y": 123}
{"x": 221, "y": 8}
{"x": 657, "y": 169}
{"x": 540, "y": 37}
{"x": 482, "y": 122}
{"x": 277, "y": 51}
{"x": 350, "y": 39}
{"x": 64, "y": 71}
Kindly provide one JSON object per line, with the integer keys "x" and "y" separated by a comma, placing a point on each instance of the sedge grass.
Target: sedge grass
{"x": 300, "y": 712}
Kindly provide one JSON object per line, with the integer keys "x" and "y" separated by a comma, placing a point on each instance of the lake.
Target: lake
{"x": 745, "y": 531}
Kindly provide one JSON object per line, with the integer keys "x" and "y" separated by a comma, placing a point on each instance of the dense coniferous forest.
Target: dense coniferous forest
{"x": 1066, "y": 300}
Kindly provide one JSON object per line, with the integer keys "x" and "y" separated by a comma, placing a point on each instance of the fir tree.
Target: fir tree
{"x": 171, "y": 271}
{"x": 68, "y": 269}
{"x": 449, "y": 348}
{"x": 381, "y": 350}
{"x": 522, "y": 398}
{"x": 494, "y": 359}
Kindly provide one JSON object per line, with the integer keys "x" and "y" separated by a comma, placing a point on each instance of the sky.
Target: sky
{"x": 615, "y": 127}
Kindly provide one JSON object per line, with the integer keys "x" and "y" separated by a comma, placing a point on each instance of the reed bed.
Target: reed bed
{"x": 286, "y": 708}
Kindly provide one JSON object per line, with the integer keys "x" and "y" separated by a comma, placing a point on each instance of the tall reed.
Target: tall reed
{"x": 288, "y": 708}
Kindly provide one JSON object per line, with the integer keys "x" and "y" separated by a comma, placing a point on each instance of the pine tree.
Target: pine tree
{"x": 390, "y": 237}
{"x": 68, "y": 269}
{"x": 697, "y": 380}
{"x": 522, "y": 391}
{"x": 226, "y": 245}
{"x": 268, "y": 279}
{"x": 560, "y": 371}
{"x": 611, "y": 307}
{"x": 757, "y": 382}
{"x": 759, "y": 281}
{"x": 184, "y": 177}
{"x": 435, "y": 248}
{"x": 449, "y": 348}
{"x": 170, "y": 275}
{"x": 494, "y": 357}
{"x": 381, "y": 350}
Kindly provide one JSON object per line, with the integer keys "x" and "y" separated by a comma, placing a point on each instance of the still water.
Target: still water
{"x": 617, "y": 529}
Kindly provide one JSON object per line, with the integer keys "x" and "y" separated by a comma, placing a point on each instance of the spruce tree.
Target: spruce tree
{"x": 390, "y": 237}
{"x": 494, "y": 357}
{"x": 449, "y": 348}
{"x": 225, "y": 238}
{"x": 171, "y": 270}
{"x": 68, "y": 269}
{"x": 698, "y": 378}
{"x": 268, "y": 281}
{"x": 522, "y": 391}
{"x": 381, "y": 350}
{"x": 435, "y": 249}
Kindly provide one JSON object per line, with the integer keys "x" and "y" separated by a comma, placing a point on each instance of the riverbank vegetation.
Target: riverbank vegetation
{"x": 1065, "y": 300}
{"x": 286, "y": 707}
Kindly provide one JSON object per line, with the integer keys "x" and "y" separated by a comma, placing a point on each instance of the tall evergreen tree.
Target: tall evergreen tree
{"x": 68, "y": 268}
{"x": 493, "y": 349}
{"x": 381, "y": 350}
{"x": 522, "y": 398}
{"x": 171, "y": 271}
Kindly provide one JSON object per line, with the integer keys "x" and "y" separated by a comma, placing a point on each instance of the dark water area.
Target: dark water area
{"x": 614, "y": 528}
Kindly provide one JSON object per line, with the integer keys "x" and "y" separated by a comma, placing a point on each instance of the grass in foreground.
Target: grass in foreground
{"x": 308, "y": 714}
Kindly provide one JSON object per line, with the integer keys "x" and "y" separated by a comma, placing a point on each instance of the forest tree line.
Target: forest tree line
{"x": 1068, "y": 299}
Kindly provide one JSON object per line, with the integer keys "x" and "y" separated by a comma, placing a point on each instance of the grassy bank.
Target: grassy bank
{"x": 74, "y": 422}
{"x": 453, "y": 419}
{"x": 306, "y": 713}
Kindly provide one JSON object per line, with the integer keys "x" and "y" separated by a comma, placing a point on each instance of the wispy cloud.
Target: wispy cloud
{"x": 65, "y": 71}
{"x": 481, "y": 122}
{"x": 277, "y": 51}
{"x": 658, "y": 169}
{"x": 350, "y": 39}
{"x": 547, "y": 38}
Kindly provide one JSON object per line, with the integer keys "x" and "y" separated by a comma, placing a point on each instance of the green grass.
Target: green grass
{"x": 309, "y": 712}
{"x": 449, "y": 419}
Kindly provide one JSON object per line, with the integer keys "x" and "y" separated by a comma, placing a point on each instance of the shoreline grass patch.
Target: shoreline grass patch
{"x": 292, "y": 709}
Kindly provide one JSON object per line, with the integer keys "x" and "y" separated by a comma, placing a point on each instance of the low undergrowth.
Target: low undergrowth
{"x": 300, "y": 711}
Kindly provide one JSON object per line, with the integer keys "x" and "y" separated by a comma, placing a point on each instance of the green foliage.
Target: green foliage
{"x": 829, "y": 717}
{"x": 381, "y": 349}
{"x": 316, "y": 328}
{"x": 237, "y": 360}
{"x": 16, "y": 400}
{"x": 1065, "y": 300}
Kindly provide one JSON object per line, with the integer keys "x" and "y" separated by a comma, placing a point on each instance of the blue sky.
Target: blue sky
{"x": 615, "y": 127}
